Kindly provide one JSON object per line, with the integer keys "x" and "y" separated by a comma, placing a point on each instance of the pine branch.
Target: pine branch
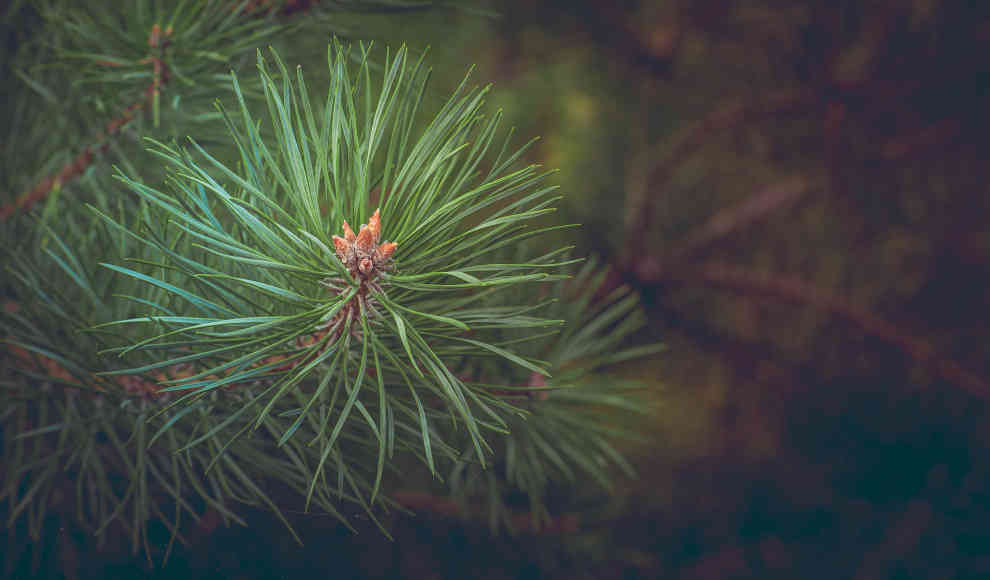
{"x": 795, "y": 291}
{"x": 82, "y": 161}
{"x": 676, "y": 266}
{"x": 188, "y": 36}
{"x": 755, "y": 209}
{"x": 664, "y": 161}
{"x": 237, "y": 331}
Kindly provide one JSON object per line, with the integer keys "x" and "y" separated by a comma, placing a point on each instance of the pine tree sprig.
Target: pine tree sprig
{"x": 290, "y": 253}
{"x": 210, "y": 323}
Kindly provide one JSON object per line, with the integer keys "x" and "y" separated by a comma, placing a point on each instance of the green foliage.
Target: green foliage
{"x": 239, "y": 290}
{"x": 186, "y": 341}
{"x": 109, "y": 50}
{"x": 570, "y": 422}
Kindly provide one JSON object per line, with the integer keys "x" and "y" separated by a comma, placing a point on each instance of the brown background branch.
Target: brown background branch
{"x": 157, "y": 42}
{"x": 795, "y": 291}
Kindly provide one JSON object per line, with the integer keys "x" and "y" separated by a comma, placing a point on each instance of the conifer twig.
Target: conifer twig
{"x": 84, "y": 159}
{"x": 795, "y": 291}
{"x": 641, "y": 208}
{"x": 746, "y": 213}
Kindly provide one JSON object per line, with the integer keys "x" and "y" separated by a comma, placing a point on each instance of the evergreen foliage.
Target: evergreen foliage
{"x": 188, "y": 329}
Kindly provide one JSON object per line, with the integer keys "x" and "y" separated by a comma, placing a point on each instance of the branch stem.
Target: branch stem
{"x": 84, "y": 159}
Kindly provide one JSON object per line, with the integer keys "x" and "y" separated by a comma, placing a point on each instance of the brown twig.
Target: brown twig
{"x": 749, "y": 212}
{"x": 157, "y": 42}
{"x": 641, "y": 209}
{"x": 796, "y": 291}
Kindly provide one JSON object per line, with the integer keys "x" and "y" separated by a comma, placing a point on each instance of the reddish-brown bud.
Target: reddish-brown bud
{"x": 387, "y": 249}
{"x": 348, "y": 233}
{"x": 375, "y": 225}
{"x": 361, "y": 254}
{"x": 365, "y": 266}
{"x": 342, "y": 247}
{"x": 365, "y": 239}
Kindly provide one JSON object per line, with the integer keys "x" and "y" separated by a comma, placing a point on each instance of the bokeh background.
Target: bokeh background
{"x": 798, "y": 190}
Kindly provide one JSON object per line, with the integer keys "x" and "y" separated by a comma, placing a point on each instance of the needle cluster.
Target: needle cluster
{"x": 232, "y": 341}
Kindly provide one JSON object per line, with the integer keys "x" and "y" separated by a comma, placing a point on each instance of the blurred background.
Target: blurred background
{"x": 799, "y": 192}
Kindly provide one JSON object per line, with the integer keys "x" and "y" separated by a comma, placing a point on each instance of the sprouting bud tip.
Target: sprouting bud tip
{"x": 365, "y": 239}
{"x": 375, "y": 224}
{"x": 341, "y": 245}
{"x": 348, "y": 233}
{"x": 387, "y": 249}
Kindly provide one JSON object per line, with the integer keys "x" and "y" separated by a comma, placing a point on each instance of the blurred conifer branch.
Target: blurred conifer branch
{"x": 653, "y": 171}
{"x": 234, "y": 28}
{"x": 787, "y": 289}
